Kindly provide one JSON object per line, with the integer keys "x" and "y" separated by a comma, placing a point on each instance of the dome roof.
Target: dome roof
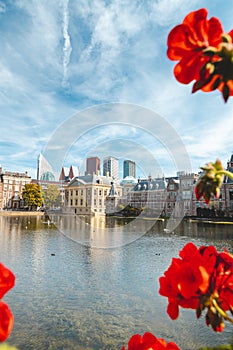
{"x": 129, "y": 180}
{"x": 47, "y": 176}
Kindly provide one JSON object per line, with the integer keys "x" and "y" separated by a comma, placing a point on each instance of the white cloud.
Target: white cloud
{"x": 118, "y": 54}
{"x": 67, "y": 48}
{"x": 167, "y": 12}
{"x": 2, "y": 7}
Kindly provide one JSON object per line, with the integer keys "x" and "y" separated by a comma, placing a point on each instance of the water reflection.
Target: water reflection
{"x": 207, "y": 230}
{"x": 71, "y": 295}
{"x": 102, "y": 232}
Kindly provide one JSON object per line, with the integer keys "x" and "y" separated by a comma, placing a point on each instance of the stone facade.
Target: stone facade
{"x": 11, "y": 188}
{"x": 172, "y": 195}
{"x": 86, "y": 195}
{"x": 149, "y": 195}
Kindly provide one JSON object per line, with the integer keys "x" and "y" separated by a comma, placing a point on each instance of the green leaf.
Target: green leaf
{"x": 225, "y": 92}
{"x": 7, "y": 347}
{"x": 216, "y": 83}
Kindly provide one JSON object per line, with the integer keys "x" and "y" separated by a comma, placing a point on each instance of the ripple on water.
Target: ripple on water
{"x": 87, "y": 298}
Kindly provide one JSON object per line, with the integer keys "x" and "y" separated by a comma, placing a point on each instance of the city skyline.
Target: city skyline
{"x": 94, "y": 164}
{"x": 44, "y": 170}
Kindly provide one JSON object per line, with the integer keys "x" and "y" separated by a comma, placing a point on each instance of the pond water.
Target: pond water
{"x": 79, "y": 288}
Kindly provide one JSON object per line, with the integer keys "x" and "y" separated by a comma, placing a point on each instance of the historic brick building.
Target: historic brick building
{"x": 11, "y": 188}
{"x": 86, "y": 195}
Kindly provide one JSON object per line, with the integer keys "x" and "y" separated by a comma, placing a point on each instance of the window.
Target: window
{"x": 231, "y": 195}
{"x": 100, "y": 192}
{"x": 186, "y": 195}
{"x": 81, "y": 201}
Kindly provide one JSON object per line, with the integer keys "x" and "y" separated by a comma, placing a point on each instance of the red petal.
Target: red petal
{"x": 188, "y": 68}
{"x": 6, "y": 321}
{"x": 197, "y": 21}
{"x": 215, "y": 32}
{"x": 7, "y": 280}
{"x": 172, "y": 346}
{"x": 173, "y": 309}
{"x": 134, "y": 342}
{"x": 178, "y": 42}
{"x": 231, "y": 34}
{"x": 149, "y": 340}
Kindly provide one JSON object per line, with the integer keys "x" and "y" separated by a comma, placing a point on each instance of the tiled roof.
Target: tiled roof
{"x": 90, "y": 179}
{"x": 147, "y": 185}
{"x": 229, "y": 180}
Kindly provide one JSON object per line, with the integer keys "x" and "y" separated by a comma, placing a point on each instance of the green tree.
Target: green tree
{"x": 32, "y": 196}
{"x": 51, "y": 196}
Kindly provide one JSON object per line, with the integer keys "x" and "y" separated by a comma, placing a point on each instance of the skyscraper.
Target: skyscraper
{"x": 44, "y": 169}
{"x": 92, "y": 165}
{"x": 129, "y": 168}
{"x": 110, "y": 167}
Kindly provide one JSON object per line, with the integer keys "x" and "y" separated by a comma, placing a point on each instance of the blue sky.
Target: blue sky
{"x": 65, "y": 58}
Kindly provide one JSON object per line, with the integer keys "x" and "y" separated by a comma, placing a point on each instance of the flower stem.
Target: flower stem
{"x": 225, "y": 172}
{"x": 222, "y": 312}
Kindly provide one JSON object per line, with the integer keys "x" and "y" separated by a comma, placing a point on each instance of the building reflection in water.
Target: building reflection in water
{"x": 101, "y": 231}
{"x": 83, "y": 293}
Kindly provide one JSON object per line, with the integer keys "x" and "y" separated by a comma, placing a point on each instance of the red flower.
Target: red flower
{"x": 184, "y": 280}
{"x": 6, "y": 321}
{"x": 204, "y": 52}
{"x": 7, "y": 280}
{"x": 149, "y": 342}
{"x": 201, "y": 279}
{"x": 222, "y": 281}
{"x": 217, "y": 73}
{"x": 187, "y": 41}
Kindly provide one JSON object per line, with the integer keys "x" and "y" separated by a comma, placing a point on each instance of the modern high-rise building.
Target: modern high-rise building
{"x": 129, "y": 168}
{"x": 92, "y": 166}
{"x": 110, "y": 167}
{"x": 44, "y": 169}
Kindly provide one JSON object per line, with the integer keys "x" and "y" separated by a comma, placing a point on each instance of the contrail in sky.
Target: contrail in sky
{"x": 67, "y": 48}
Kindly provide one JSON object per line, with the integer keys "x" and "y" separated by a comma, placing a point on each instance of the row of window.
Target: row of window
{"x": 81, "y": 202}
{"x": 88, "y": 192}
